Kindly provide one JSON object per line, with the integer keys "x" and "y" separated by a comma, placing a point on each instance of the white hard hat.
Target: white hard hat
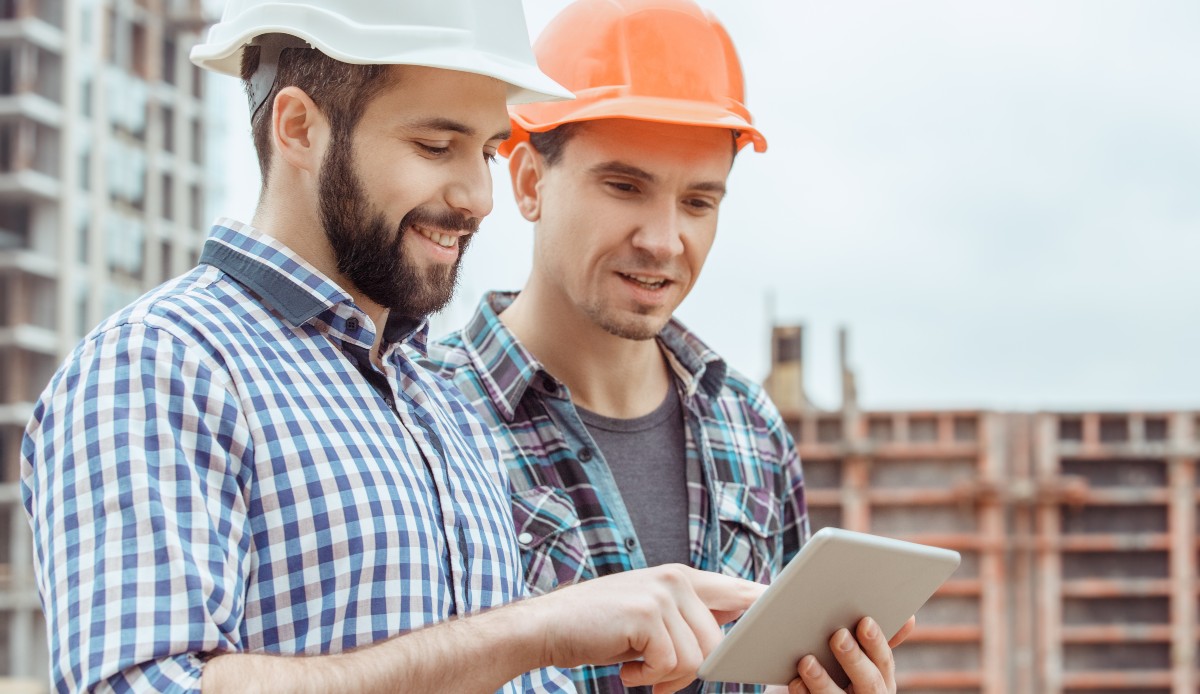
{"x": 485, "y": 37}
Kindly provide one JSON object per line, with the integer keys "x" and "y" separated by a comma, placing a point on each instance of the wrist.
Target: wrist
{"x": 521, "y": 633}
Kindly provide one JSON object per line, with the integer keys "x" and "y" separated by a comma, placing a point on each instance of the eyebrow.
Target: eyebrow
{"x": 451, "y": 125}
{"x": 622, "y": 169}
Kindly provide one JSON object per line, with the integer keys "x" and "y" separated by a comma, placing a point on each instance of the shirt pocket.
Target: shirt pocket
{"x": 750, "y": 531}
{"x": 553, "y": 550}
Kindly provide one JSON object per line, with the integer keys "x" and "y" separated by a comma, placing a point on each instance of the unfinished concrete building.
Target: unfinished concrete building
{"x": 1078, "y": 532}
{"x": 103, "y": 143}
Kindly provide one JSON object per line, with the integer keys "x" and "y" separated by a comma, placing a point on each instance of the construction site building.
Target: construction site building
{"x": 104, "y": 139}
{"x": 1078, "y": 532}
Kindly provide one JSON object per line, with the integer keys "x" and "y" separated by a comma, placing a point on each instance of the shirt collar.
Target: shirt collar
{"x": 293, "y": 288}
{"x": 508, "y": 370}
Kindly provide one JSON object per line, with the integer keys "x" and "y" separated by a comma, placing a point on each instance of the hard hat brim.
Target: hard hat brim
{"x": 652, "y": 109}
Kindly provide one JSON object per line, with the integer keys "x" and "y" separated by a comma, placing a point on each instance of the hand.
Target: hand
{"x": 668, "y": 616}
{"x": 868, "y": 662}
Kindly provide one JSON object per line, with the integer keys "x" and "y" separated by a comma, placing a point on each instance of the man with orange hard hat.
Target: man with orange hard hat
{"x": 629, "y": 442}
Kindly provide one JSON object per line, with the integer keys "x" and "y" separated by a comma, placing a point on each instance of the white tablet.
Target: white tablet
{"x": 838, "y": 578}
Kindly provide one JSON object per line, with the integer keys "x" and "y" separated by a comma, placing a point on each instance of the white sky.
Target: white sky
{"x": 1001, "y": 201}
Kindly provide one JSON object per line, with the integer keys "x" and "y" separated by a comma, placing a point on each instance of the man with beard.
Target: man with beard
{"x": 244, "y": 465}
{"x": 629, "y": 442}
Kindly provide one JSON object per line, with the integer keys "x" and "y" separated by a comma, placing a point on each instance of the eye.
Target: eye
{"x": 489, "y": 157}
{"x": 623, "y": 187}
{"x": 432, "y": 150}
{"x": 700, "y": 204}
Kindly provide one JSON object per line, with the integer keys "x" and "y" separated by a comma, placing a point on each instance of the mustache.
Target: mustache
{"x": 439, "y": 219}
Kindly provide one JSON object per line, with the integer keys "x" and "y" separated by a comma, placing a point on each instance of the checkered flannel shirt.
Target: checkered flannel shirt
{"x": 746, "y": 511}
{"x": 219, "y": 468}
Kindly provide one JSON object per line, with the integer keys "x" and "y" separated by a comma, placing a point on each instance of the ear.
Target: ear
{"x": 526, "y": 166}
{"x": 299, "y": 131}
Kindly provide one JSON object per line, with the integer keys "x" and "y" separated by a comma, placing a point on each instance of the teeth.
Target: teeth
{"x": 648, "y": 281}
{"x": 443, "y": 240}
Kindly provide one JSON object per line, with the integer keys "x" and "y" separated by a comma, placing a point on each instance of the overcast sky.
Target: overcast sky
{"x": 1001, "y": 201}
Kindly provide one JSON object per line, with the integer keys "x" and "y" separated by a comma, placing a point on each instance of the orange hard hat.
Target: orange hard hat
{"x": 667, "y": 61}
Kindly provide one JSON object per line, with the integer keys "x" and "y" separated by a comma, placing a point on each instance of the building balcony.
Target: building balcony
{"x": 16, "y": 414}
{"x": 33, "y": 106}
{"x": 29, "y": 338}
{"x": 187, "y": 15}
{"x": 28, "y": 182}
{"x": 29, "y": 263}
{"x": 35, "y": 30}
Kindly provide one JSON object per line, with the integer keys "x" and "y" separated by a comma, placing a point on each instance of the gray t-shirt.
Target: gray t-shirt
{"x": 648, "y": 461}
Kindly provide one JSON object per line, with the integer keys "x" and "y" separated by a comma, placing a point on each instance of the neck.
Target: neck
{"x": 609, "y": 375}
{"x": 293, "y": 220}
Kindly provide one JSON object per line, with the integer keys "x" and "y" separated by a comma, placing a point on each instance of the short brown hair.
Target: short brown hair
{"x": 341, "y": 90}
{"x": 550, "y": 144}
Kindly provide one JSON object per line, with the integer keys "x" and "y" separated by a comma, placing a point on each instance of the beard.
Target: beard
{"x": 370, "y": 252}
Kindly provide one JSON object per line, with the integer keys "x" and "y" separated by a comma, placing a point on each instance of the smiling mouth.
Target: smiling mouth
{"x": 443, "y": 240}
{"x": 646, "y": 282}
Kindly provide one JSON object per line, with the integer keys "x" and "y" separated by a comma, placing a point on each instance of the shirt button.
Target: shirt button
{"x": 352, "y": 324}
{"x": 631, "y": 543}
{"x": 525, "y": 538}
{"x": 550, "y": 386}
{"x": 585, "y": 454}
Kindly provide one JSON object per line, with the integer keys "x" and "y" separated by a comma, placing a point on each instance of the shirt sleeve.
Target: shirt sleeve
{"x": 134, "y": 470}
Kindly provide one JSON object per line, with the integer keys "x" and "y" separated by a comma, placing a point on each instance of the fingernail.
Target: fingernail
{"x": 843, "y": 641}
{"x": 810, "y": 667}
{"x": 870, "y": 628}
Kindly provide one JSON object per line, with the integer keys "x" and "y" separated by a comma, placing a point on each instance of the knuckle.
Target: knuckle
{"x": 673, "y": 575}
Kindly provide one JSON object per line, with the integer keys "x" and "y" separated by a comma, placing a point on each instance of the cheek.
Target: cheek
{"x": 398, "y": 185}
{"x": 697, "y": 246}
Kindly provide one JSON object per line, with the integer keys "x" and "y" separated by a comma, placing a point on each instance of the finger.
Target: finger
{"x": 864, "y": 675}
{"x": 702, "y": 622}
{"x": 673, "y": 685}
{"x": 722, "y": 593}
{"x": 797, "y": 686}
{"x": 658, "y": 657}
{"x": 677, "y": 656}
{"x": 870, "y": 639}
{"x": 688, "y": 651}
{"x": 905, "y": 631}
{"x": 815, "y": 679}
{"x": 726, "y": 616}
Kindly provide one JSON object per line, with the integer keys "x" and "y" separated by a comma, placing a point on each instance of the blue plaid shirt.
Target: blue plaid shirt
{"x": 220, "y": 468}
{"x": 746, "y": 510}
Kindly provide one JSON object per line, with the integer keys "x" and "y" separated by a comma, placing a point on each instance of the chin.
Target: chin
{"x": 634, "y": 327}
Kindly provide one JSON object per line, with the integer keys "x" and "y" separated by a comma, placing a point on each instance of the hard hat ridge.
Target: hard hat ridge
{"x": 486, "y": 37}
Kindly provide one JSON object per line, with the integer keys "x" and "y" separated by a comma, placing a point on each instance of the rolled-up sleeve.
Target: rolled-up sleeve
{"x": 133, "y": 474}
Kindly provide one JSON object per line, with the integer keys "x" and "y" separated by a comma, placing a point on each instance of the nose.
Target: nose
{"x": 661, "y": 232}
{"x": 470, "y": 191}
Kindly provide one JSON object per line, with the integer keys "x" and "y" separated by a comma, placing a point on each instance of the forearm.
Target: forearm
{"x": 476, "y": 654}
